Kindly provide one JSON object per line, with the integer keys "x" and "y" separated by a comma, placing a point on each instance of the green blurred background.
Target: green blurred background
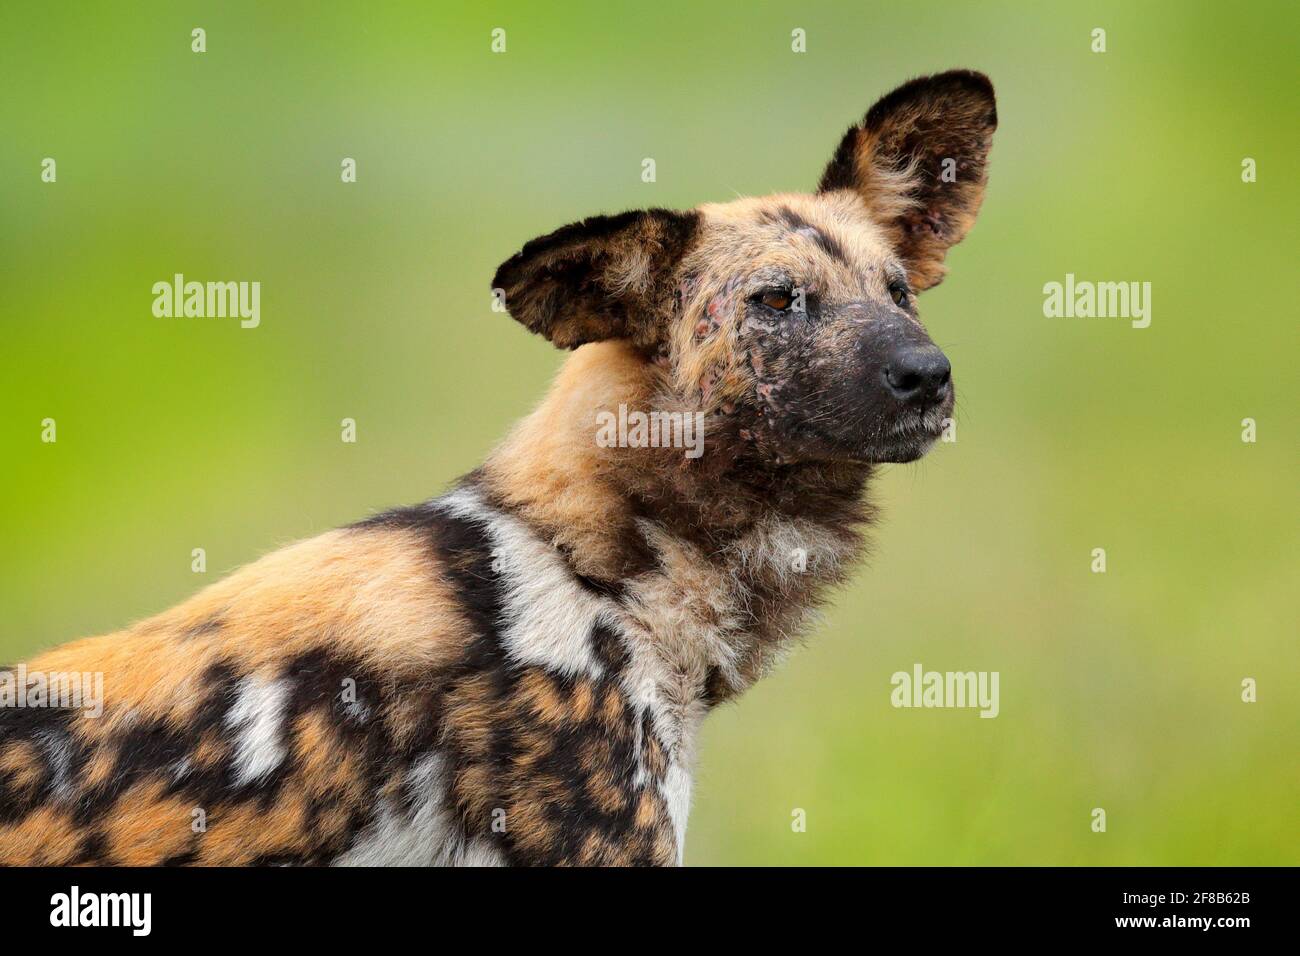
{"x": 1119, "y": 691}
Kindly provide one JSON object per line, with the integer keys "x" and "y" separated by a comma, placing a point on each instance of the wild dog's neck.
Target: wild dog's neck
{"x": 720, "y": 560}
{"x": 594, "y": 501}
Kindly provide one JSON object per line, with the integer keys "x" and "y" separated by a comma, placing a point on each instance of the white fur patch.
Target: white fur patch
{"x": 548, "y": 615}
{"x": 258, "y": 714}
{"x": 426, "y": 835}
{"x": 676, "y": 791}
{"x": 58, "y": 751}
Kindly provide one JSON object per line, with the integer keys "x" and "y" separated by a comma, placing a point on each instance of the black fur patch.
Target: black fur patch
{"x": 797, "y": 223}
{"x": 570, "y": 285}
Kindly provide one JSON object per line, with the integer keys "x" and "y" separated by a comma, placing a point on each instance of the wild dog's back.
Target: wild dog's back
{"x": 347, "y": 699}
{"x": 227, "y": 735}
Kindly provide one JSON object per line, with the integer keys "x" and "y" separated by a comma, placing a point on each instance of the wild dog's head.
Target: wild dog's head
{"x": 791, "y": 317}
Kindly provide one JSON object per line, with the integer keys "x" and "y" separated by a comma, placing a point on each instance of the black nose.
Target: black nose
{"x": 918, "y": 373}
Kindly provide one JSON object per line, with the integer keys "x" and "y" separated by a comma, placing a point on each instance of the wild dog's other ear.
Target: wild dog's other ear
{"x": 607, "y": 277}
{"x": 919, "y": 160}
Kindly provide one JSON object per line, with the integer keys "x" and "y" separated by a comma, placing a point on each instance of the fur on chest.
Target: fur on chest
{"x": 596, "y": 689}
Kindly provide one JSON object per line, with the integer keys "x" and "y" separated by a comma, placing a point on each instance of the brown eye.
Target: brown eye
{"x": 898, "y": 292}
{"x": 778, "y": 299}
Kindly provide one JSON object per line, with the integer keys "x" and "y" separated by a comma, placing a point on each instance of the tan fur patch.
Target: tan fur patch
{"x": 45, "y": 837}
{"x": 370, "y": 594}
{"x": 145, "y": 827}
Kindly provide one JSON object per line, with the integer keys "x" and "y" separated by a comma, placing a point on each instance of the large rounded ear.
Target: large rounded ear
{"x": 919, "y": 160}
{"x": 606, "y": 277}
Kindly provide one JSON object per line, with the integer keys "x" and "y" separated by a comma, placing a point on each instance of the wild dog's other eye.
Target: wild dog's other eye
{"x": 778, "y": 299}
{"x": 899, "y": 293}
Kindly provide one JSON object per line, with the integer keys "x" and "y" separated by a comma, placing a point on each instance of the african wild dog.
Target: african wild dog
{"x": 515, "y": 672}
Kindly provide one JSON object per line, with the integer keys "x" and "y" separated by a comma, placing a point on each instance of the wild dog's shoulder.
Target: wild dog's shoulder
{"x": 375, "y": 591}
{"x": 276, "y": 703}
